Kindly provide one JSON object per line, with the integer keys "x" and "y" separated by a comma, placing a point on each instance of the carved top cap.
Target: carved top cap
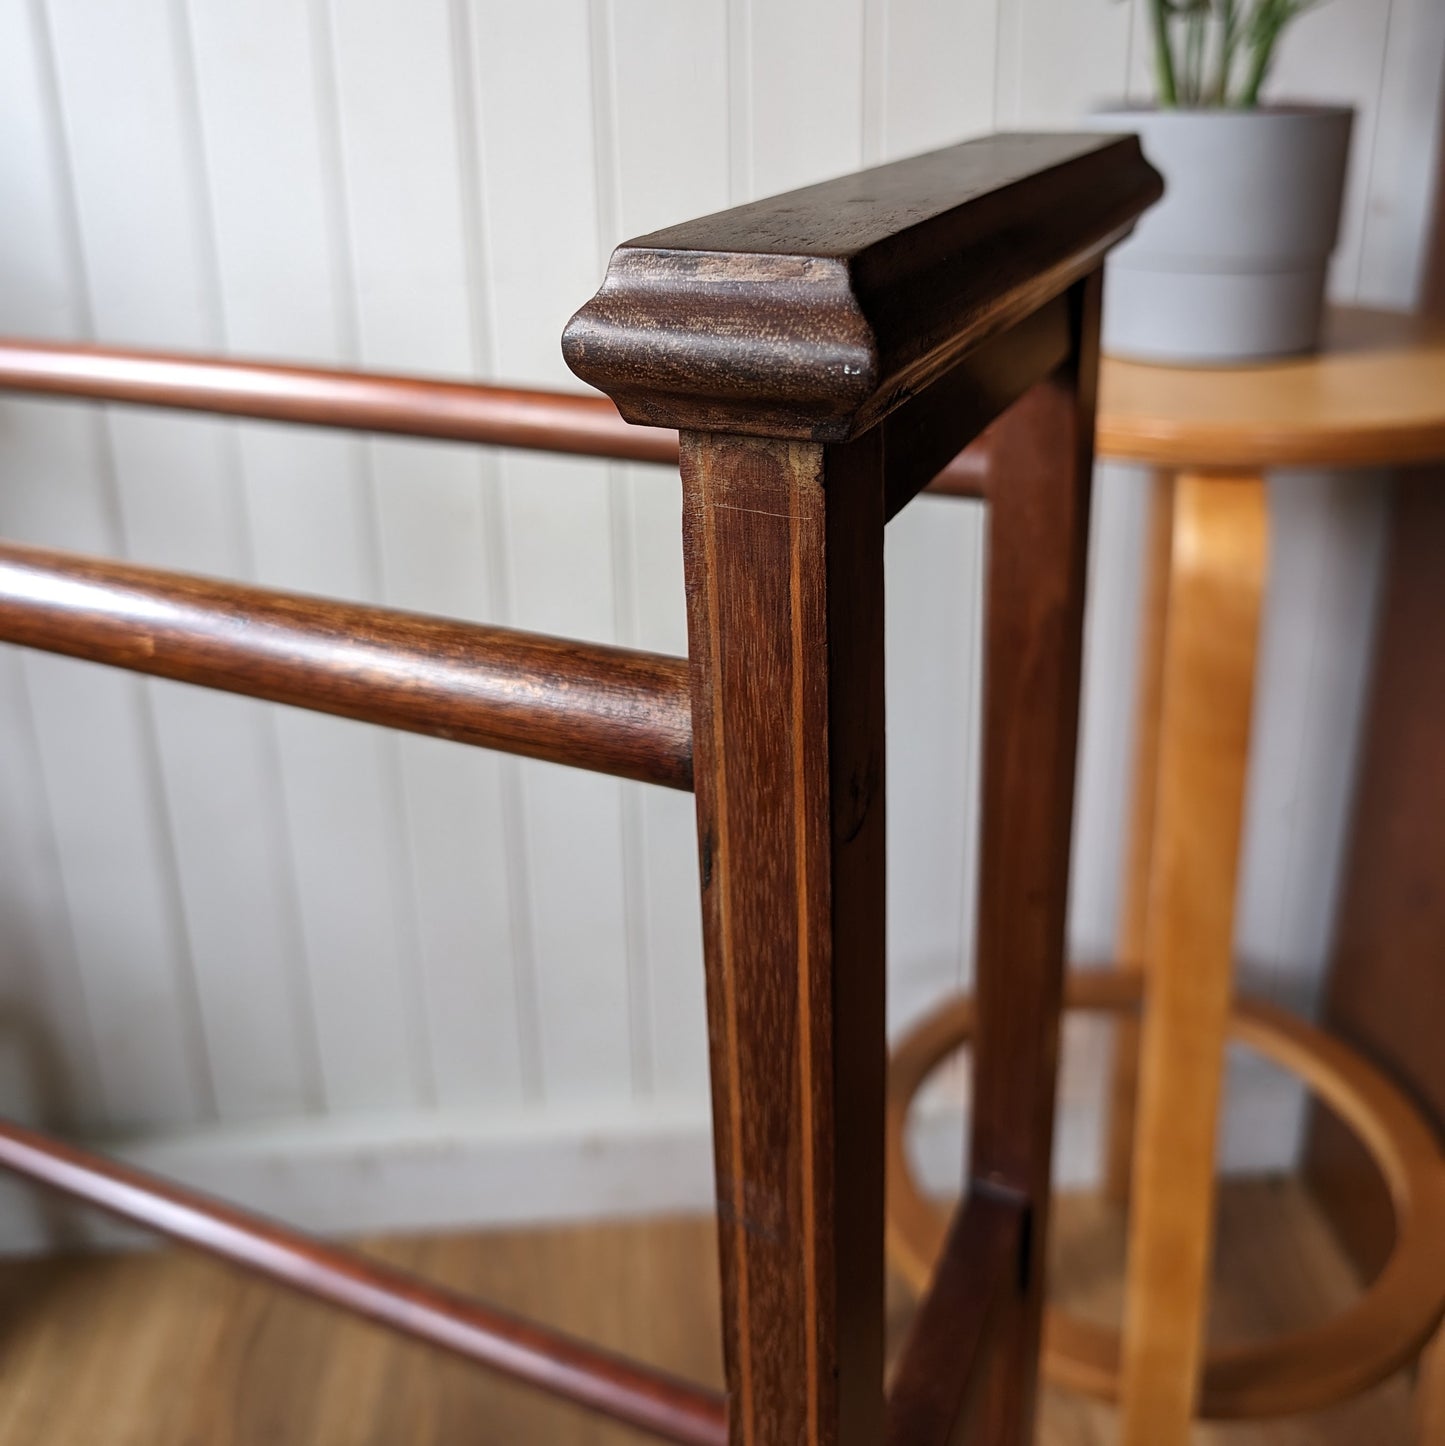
{"x": 814, "y": 313}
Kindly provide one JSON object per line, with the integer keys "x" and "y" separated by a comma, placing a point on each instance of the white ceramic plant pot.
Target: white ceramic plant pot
{"x": 1231, "y": 264}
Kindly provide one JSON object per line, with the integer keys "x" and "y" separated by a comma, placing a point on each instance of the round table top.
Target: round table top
{"x": 1374, "y": 395}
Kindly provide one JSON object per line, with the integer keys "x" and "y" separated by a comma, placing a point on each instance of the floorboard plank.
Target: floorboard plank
{"x": 166, "y": 1349}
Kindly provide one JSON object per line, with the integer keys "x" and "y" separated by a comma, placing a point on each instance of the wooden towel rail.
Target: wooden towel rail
{"x": 609, "y": 709}
{"x": 533, "y": 418}
{"x": 810, "y": 361}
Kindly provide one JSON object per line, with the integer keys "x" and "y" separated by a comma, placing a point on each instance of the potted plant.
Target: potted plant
{"x": 1231, "y": 265}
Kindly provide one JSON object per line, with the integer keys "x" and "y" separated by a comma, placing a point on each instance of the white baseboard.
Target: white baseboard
{"x": 457, "y": 1170}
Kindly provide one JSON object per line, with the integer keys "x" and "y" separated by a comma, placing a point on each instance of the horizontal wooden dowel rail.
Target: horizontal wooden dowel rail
{"x": 537, "y": 419}
{"x": 533, "y": 418}
{"x": 608, "y": 709}
{"x": 612, "y": 1385}
{"x": 945, "y": 1358}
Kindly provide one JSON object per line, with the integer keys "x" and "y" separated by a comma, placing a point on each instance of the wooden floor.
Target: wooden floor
{"x": 168, "y": 1350}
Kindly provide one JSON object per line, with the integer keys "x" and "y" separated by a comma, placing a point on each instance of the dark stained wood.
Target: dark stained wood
{"x": 88, "y": 1340}
{"x": 812, "y": 315}
{"x": 967, "y": 475}
{"x": 784, "y": 552}
{"x": 925, "y": 433}
{"x": 609, "y": 1384}
{"x": 778, "y": 336}
{"x": 1038, "y": 533}
{"x": 939, "y": 1375}
{"x": 534, "y": 418}
{"x": 603, "y": 708}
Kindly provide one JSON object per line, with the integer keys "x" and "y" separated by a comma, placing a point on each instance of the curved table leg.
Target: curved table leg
{"x": 1216, "y": 585}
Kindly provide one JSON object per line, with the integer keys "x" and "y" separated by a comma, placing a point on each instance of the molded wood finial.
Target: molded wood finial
{"x": 813, "y": 314}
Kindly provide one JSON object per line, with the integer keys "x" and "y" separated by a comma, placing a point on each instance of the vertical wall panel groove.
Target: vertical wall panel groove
{"x": 1401, "y": 183}
{"x": 47, "y": 1053}
{"x": 481, "y": 314}
{"x": 873, "y": 81}
{"x": 98, "y": 734}
{"x": 540, "y": 178}
{"x": 262, "y": 1026}
{"x": 288, "y": 1054}
{"x": 399, "y": 978}
{"x": 670, "y": 157}
{"x": 81, "y": 1098}
{"x": 267, "y": 122}
{"x": 740, "y": 102}
{"x": 166, "y": 302}
{"x": 411, "y": 231}
{"x": 602, "y": 71}
{"x": 1337, "y": 52}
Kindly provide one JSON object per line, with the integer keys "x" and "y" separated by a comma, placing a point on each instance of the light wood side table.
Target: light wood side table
{"x": 1374, "y": 396}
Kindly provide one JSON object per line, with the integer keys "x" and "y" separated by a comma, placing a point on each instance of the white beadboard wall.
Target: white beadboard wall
{"x": 365, "y": 980}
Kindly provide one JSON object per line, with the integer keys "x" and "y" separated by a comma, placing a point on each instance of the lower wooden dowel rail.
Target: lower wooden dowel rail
{"x": 609, "y": 709}
{"x": 946, "y": 1358}
{"x": 608, "y": 1384}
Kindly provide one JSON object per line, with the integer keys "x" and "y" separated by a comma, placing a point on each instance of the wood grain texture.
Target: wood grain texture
{"x": 921, "y": 438}
{"x": 609, "y": 709}
{"x": 547, "y": 1359}
{"x": 1373, "y": 396}
{"x": 942, "y": 1367}
{"x": 784, "y": 548}
{"x": 236, "y": 1362}
{"x": 825, "y": 308}
{"x": 1277, "y": 1270}
{"x": 1038, "y": 532}
{"x": 1219, "y": 551}
{"x": 784, "y": 578}
{"x": 1312, "y": 1364}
